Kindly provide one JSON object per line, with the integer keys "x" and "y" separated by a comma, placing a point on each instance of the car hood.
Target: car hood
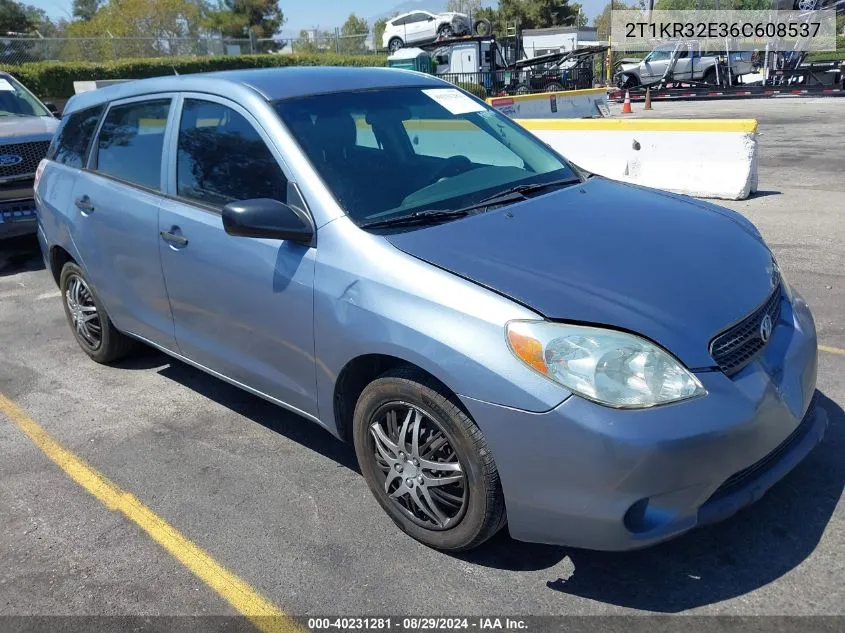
{"x": 14, "y": 127}
{"x": 631, "y": 66}
{"x": 673, "y": 269}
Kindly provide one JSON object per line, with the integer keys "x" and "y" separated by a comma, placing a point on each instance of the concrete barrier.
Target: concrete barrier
{"x": 708, "y": 158}
{"x": 571, "y": 104}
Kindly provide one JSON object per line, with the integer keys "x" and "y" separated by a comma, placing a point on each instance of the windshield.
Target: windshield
{"x": 15, "y": 100}
{"x": 392, "y": 152}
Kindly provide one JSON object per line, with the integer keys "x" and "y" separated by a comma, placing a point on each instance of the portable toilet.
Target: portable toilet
{"x": 411, "y": 59}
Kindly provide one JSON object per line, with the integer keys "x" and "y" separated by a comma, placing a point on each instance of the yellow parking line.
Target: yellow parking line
{"x": 832, "y": 350}
{"x": 263, "y": 614}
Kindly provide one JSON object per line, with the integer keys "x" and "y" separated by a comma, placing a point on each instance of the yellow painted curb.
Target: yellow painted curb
{"x": 546, "y": 95}
{"x": 642, "y": 125}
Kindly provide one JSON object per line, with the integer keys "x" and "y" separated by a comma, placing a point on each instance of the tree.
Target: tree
{"x": 353, "y": 35}
{"x": 158, "y": 27}
{"x": 536, "y": 14}
{"x": 602, "y": 20}
{"x": 42, "y": 23}
{"x": 581, "y": 20}
{"x": 314, "y": 41}
{"x": 85, "y": 9}
{"x": 378, "y": 31}
{"x": 239, "y": 18}
{"x": 13, "y": 18}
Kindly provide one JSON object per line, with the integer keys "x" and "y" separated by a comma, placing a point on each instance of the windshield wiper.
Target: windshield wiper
{"x": 505, "y": 194}
{"x": 431, "y": 216}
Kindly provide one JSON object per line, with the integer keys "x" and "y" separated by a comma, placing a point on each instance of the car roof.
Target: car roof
{"x": 402, "y": 15}
{"x": 270, "y": 83}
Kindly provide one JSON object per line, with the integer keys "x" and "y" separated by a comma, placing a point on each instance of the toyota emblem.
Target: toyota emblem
{"x": 7, "y": 160}
{"x": 765, "y": 328}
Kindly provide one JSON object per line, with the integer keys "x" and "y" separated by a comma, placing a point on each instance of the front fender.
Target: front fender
{"x": 371, "y": 298}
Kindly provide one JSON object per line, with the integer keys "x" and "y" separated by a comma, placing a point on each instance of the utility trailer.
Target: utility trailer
{"x": 818, "y": 78}
{"x": 500, "y": 67}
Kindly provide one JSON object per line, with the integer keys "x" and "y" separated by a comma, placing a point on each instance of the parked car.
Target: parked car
{"x": 420, "y": 27}
{"x": 26, "y": 129}
{"x": 692, "y": 65}
{"x": 503, "y": 338}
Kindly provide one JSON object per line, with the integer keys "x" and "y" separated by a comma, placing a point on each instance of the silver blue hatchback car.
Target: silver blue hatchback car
{"x": 504, "y": 338}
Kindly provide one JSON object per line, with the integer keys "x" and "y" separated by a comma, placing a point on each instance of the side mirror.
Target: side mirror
{"x": 52, "y": 108}
{"x": 271, "y": 219}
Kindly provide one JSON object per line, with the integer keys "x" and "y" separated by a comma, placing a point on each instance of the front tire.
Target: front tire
{"x": 445, "y": 32}
{"x": 90, "y": 323}
{"x": 426, "y": 462}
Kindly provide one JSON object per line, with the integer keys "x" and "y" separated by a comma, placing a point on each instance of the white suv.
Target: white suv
{"x": 419, "y": 27}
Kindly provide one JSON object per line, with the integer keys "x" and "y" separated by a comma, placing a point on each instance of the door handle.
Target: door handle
{"x": 84, "y": 204}
{"x": 176, "y": 240}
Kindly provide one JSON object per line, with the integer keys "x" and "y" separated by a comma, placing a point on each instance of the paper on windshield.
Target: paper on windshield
{"x": 5, "y": 85}
{"x": 454, "y": 100}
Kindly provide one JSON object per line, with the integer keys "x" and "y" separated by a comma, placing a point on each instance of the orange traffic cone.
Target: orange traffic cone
{"x": 647, "y": 99}
{"x": 626, "y": 107}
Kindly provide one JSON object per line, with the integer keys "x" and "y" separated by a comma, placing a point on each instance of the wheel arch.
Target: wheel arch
{"x": 58, "y": 257}
{"x": 360, "y": 372}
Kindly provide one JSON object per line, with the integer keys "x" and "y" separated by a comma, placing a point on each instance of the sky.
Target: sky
{"x": 326, "y": 14}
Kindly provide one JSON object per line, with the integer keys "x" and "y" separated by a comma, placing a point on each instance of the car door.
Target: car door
{"x": 419, "y": 28}
{"x": 115, "y": 204}
{"x": 655, "y": 65}
{"x": 242, "y": 307}
{"x": 683, "y": 67}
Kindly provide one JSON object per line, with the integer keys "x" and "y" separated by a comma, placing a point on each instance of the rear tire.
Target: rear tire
{"x": 394, "y": 45}
{"x": 473, "y": 506}
{"x": 88, "y": 320}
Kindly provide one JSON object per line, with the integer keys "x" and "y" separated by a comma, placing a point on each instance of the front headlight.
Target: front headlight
{"x": 609, "y": 367}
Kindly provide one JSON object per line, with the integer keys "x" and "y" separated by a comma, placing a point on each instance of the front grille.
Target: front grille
{"x": 737, "y": 480}
{"x": 30, "y": 155}
{"x": 734, "y": 348}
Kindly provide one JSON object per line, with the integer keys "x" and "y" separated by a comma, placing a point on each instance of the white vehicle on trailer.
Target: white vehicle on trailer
{"x": 420, "y": 27}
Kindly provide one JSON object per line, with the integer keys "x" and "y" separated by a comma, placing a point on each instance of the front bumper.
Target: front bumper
{"x": 17, "y": 218}
{"x": 589, "y": 476}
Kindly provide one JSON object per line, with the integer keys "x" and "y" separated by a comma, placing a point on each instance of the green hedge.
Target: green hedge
{"x": 54, "y": 80}
{"x": 839, "y": 53}
{"x": 477, "y": 89}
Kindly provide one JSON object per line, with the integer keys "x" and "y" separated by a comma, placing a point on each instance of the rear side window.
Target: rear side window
{"x": 131, "y": 141}
{"x": 223, "y": 158}
{"x": 70, "y": 145}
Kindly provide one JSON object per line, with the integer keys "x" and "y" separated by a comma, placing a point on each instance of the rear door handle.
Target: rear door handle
{"x": 84, "y": 204}
{"x": 176, "y": 240}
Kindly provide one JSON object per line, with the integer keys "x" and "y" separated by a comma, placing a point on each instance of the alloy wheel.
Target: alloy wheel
{"x": 83, "y": 312}
{"x": 423, "y": 475}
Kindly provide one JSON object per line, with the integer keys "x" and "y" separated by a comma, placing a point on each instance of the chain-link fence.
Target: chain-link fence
{"x": 19, "y": 50}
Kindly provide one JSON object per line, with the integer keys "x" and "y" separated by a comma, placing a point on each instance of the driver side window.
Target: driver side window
{"x": 222, "y": 158}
